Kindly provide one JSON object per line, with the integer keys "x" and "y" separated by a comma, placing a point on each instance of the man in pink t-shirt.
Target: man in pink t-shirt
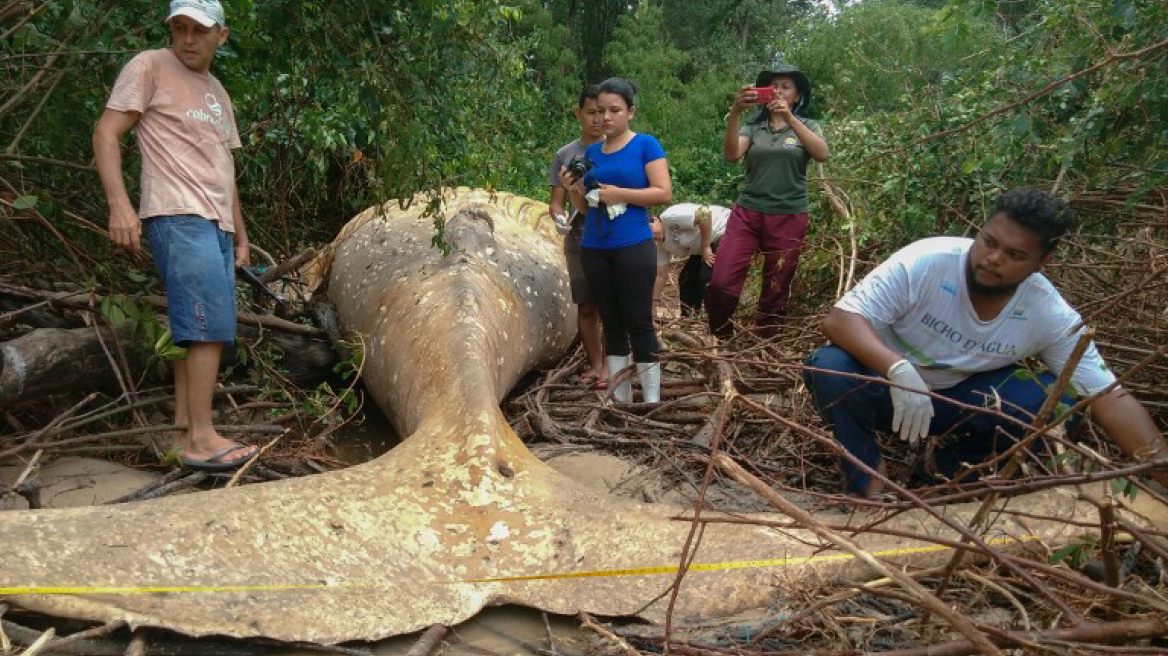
{"x": 189, "y": 207}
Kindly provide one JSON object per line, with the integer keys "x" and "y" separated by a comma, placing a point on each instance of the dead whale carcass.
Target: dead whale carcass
{"x": 421, "y": 535}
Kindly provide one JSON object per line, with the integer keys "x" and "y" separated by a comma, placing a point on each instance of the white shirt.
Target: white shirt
{"x": 918, "y": 302}
{"x": 682, "y": 236}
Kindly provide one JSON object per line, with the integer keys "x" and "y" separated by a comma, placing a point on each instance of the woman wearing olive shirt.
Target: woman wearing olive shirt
{"x": 771, "y": 213}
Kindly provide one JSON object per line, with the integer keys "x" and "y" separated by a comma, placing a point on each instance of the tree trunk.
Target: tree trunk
{"x": 54, "y": 360}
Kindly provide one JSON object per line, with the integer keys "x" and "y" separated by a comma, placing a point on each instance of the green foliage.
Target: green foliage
{"x": 323, "y": 402}
{"x": 1077, "y": 553}
{"x": 120, "y": 310}
{"x": 890, "y": 56}
{"x": 167, "y": 350}
{"x": 889, "y": 76}
{"x": 350, "y": 367}
{"x": 343, "y": 104}
{"x": 1124, "y": 487}
{"x": 638, "y": 52}
{"x": 24, "y": 203}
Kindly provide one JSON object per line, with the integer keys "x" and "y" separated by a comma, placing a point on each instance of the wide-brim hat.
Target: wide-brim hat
{"x": 802, "y": 83}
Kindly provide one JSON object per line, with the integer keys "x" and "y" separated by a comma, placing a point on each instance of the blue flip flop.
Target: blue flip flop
{"x": 215, "y": 462}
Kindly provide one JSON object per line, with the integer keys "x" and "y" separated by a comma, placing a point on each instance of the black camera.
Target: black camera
{"x": 579, "y": 166}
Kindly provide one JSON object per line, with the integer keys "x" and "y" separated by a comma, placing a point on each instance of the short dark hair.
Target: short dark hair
{"x": 1041, "y": 212}
{"x": 590, "y": 92}
{"x": 621, "y": 87}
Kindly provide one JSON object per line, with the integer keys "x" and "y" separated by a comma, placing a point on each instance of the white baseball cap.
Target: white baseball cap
{"x": 203, "y": 12}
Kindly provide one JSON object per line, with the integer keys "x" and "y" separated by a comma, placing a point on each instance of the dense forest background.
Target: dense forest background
{"x": 931, "y": 107}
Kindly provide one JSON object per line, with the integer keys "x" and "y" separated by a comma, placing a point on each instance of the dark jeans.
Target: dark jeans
{"x": 692, "y": 281}
{"x": 856, "y": 409}
{"x": 780, "y": 239}
{"x": 621, "y": 280}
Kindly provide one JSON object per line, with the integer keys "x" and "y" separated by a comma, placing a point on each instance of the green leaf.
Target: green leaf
{"x": 25, "y": 202}
{"x": 113, "y": 311}
{"x": 1060, "y": 555}
{"x": 173, "y": 353}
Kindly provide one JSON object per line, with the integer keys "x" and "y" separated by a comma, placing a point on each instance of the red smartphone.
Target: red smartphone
{"x": 766, "y": 95}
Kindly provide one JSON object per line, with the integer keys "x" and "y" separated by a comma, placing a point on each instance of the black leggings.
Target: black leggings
{"x": 621, "y": 280}
{"x": 692, "y": 281}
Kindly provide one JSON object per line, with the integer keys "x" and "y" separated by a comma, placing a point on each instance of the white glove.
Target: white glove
{"x": 911, "y": 412}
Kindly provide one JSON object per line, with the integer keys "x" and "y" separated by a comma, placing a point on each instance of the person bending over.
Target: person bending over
{"x": 956, "y": 316}
{"x": 689, "y": 231}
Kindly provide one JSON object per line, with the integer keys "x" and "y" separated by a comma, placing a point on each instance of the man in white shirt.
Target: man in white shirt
{"x": 955, "y": 316}
{"x": 692, "y": 232}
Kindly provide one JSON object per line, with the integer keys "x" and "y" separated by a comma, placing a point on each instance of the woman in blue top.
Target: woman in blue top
{"x": 629, "y": 174}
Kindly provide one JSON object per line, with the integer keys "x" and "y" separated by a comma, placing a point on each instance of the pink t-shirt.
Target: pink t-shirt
{"x": 186, "y": 133}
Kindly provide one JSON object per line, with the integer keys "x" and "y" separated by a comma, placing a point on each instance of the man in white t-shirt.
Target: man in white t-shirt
{"x": 954, "y": 316}
{"x": 188, "y": 208}
{"x": 692, "y": 232}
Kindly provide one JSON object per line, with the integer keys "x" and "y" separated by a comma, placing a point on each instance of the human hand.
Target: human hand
{"x": 657, "y": 228}
{"x": 911, "y": 411}
{"x": 242, "y": 254}
{"x": 569, "y": 181}
{"x": 747, "y": 97}
{"x": 125, "y": 228}
{"x": 780, "y": 106}
{"x": 708, "y": 256}
{"x": 609, "y": 194}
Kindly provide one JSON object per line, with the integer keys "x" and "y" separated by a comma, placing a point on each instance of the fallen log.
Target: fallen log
{"x": 54, "y": 360}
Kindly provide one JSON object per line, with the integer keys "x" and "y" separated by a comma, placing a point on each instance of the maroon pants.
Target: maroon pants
{"x": 780, "y": 238}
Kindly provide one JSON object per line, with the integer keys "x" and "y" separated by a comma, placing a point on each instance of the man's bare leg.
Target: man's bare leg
{"x": 196, "y": 377}
{"x": 588, "y": 323}
{"x": 180, "y": 393}
{"x": 181, "y": 401}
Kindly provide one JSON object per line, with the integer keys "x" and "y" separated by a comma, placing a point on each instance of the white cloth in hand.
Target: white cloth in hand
{"x": 911, "y": 412}
{"x": 614, "y": 210}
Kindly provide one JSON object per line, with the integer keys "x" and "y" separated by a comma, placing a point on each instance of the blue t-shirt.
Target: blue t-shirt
{"x": 624, "y": 168}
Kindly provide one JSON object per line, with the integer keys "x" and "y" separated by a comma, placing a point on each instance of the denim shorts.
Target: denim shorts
{"x": 577, "y": 282}
{"x": 196, "y": 261}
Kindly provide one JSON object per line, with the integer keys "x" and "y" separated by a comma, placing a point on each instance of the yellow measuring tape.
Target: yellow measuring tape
{"x": 641, "y": 571}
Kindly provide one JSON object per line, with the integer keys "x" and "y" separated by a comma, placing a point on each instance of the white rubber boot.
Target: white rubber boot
{"x": 622, "y": 392}
{"x": 650, "y": 375}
